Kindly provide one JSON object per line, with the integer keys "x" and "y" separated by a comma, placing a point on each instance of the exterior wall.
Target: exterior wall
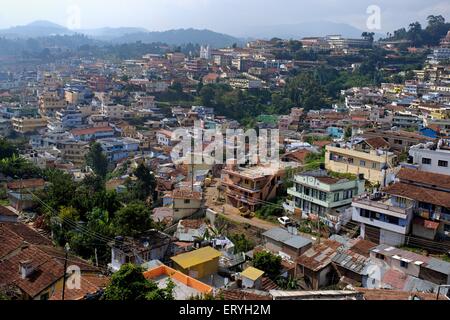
{"x": 372, "y": 169}
{"x": 391, "y": 238}
{"x": 182, "y": 210}
{"x": 435, "y": 156}
{"x": 201, "y": 270}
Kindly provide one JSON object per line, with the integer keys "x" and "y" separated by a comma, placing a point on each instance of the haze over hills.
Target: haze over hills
{"x": 184, "y": 36}
{"x": 304, "y": 29}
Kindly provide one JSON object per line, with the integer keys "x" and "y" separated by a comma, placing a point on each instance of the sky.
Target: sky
{"x": 227, "y": 16}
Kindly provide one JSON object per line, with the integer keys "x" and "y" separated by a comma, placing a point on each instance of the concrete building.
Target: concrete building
{"x": 249, "y": 187}
{"x": 198, "y": 264}
{"x": 288, "y": 245}
{"x": 390, "y": 215}
{"x": 50, "y": 102}
{"x": 153, "y": 245}
{"x": 432, "y": 157}
{"x": 316, "y": 194}
{"x": 73, "y": 151}
{"x": 117, "y": 149}
{"x": 26, "y": 125}
{"x": 362, "y": 157}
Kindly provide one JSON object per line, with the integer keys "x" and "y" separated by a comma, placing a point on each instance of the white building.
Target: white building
{"x": 432, "y": 157}
{"x": 388, "y": 216}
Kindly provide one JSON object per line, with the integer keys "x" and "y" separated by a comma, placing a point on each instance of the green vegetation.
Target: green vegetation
{"x": 313, "y": 161}
{"x": 241, "y": 243}
{"x": 288, "y": 283}
{"x": 268, "y": 262}
{"x": 129, "y": 284}
{"x": 91, "y": 216}
{"x": 436, "y": 29}
{"x": 97, "y": 160}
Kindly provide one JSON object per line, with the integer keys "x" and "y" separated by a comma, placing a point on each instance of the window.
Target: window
{"x": 348, "y": 194}
{"x": 442, "y": 163}
{"x": 374, "y": 165}
{"x": 404, "y": 264}
{"x": 337, "y": 197}
{"x": 362, "y": 163}
{"x": 187, "y": 201}
{"x": 426, "y": 161}
{"x": 379, "y": 256}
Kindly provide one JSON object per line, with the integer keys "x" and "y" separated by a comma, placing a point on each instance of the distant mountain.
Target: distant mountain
{"x": 108, "y": 34}
{"x": 181, "y": 36}
{"x": 304, "y": 29}
{"x": 124, "y": 35}
{"x": 35, "y": 29}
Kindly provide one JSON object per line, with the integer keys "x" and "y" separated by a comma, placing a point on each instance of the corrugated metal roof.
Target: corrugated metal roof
{"x": 283, "y": 236}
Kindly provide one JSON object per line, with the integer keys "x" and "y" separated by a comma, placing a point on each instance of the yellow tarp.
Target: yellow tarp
{"x": 196, "y": 257}
{"x": 252, "y": 273}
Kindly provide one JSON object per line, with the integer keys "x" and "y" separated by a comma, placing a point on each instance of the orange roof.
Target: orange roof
{"x": 178, "y": 276}
{"x": 80, "y": 132}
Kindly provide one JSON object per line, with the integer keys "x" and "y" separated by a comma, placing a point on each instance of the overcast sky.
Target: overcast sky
{"x": 228, "y": 16}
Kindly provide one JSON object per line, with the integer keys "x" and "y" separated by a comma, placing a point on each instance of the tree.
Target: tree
{"x": 7, "y": 149}
{"x": 268, "y": 262}
{"x": 130, "y": 284}
{"x": 241, "y": 243}
{"x": 368, "y": 36}
{"x": 97, "y": 160}
{"x": 146, "y": 183}
{"x": 132, "y": 220}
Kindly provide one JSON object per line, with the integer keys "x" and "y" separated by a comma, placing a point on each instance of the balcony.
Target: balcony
{"x": 383, "y": 204}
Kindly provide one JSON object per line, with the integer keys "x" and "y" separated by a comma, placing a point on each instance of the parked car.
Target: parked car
{"x": 285, "y": 221}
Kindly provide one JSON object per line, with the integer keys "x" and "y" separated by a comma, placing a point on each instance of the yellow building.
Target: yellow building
{"x": 376, "y": 165}
{"x": 199, "y": 263}
{"x": 50, "y": 102}
{"x": 25, "y": 125}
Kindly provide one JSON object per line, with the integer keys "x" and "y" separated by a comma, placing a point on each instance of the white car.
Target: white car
{"x": 285, "y": 221}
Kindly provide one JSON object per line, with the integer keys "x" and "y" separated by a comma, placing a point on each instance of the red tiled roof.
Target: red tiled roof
{"x": 363, "y": 247}
{"x": 4, "y": 211}
{"x": 298, "y": 155}
{"x": 432, "y": 179}
{"x": 25, "y": 233}
{"x": 380, "y": 294}
{"x": 377, "y": 142}
{"x": 395, "y": 278}
{"x": 422, "y": 194}
{"x": 26, "y": 184}
{"x": 80, "y": 132}
{"x": 236, "y": 295}
{"x": 89, "y": 284}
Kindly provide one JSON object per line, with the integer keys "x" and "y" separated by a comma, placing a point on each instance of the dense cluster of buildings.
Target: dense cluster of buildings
{"x": 380, "y": 191}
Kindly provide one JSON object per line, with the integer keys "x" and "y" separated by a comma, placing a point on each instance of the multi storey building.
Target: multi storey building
{"x": 250, "y": 187}
{"x": 368, "y": 157}
{"x": 319, "y": 195}
{"x": 432, "y": 157}
{"x": 50, "y": 102}
{"x": 25, "y": 125}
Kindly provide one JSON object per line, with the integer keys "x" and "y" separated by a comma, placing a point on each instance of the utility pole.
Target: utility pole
{"x": 96, "y": 257}
{"x": 66, "y": 249}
